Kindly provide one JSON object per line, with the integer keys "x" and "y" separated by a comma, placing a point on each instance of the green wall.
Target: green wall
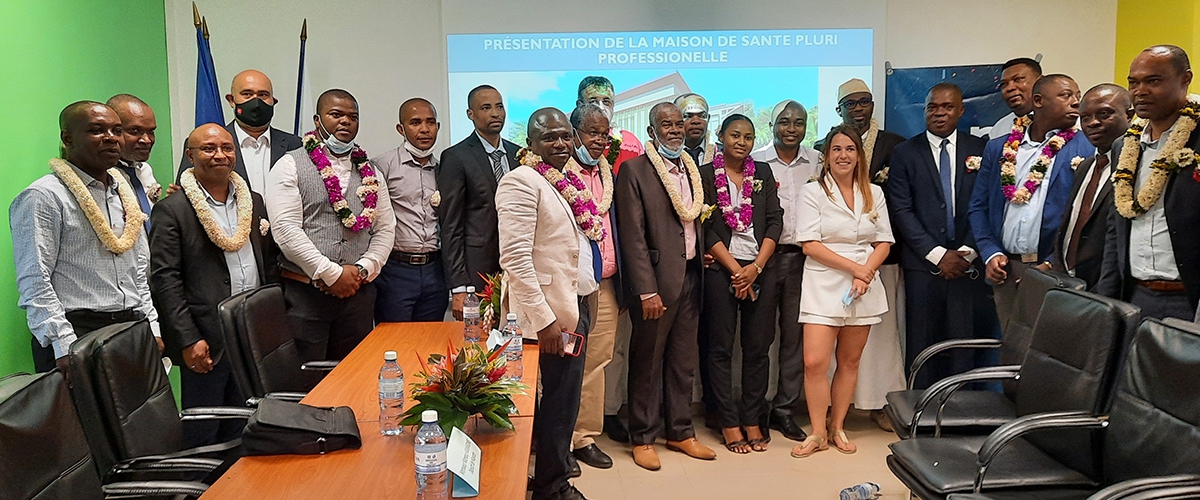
{"x": 53, "y": 53}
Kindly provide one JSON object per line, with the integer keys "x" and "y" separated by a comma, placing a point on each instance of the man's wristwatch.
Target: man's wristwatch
{"x": 362, "y": 271}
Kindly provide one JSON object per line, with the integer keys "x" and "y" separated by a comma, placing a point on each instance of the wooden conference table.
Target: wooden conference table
{"x": 383, "y": 467}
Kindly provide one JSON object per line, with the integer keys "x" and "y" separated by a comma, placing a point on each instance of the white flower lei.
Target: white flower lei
{"x": 1174, "y": 155}
{"x": 133, "y": 212}
{"x": 204, "y": 212}
{"x": 687, "y": 214}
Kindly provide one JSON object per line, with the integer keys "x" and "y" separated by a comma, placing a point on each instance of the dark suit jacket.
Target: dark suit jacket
{"x": 653, "y": 256}
{"x": 1090, "y": 254}
{"x": 768, "y": 215}
{"x": 467, "y": 212}
{"x": 918, "y": 206}
{"x": 281, "y": 143}
{"x": 1182, "y": 205}
{"x": 189, "y": 276}
{"x": 987, "y": 202}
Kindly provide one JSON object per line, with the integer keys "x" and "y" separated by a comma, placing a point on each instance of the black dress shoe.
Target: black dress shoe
{"x": 787, "y": 426}
{"x": 570, "y": 493}
{"x": 615, "y": 429}
{"x": 575, "y": 470}
{"x": 593, "y": 456}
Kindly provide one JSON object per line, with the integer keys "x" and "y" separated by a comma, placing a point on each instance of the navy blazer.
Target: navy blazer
{"x": 914, "y": 194}
{"x": 988, "y": 203}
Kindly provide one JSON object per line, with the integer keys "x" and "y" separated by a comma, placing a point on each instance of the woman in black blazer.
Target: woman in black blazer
{"x": 739, "y": 281}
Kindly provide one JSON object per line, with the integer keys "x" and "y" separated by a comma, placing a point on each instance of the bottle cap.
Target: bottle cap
{"x": 512, "y": 316}
{"x": 470, "y": 289}
{"x": 389, "y": 355}
{"x": 429, "y": 416}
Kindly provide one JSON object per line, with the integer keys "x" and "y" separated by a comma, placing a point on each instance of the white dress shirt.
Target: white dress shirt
{"x": 488, "y": 148}
{"x": 935, "y": 146}
{"x": 286, "y": 209}
{"x": 243, "y": 269}
{"x": 256, "y": 155}
{"x": 1078, "y": 201}
{"x": 742, "y": 245}
{"x": 1022, "y": 228}
{"x": 790, "y": 177}
{"x": 145, "y": 175}
{"x": 1151, "y": 256}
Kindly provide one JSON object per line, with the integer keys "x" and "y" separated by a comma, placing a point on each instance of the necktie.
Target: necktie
{"x": 1085, "y": 208}
{"x": 140, "y": 191}
{"x": 497, "y": 156}
{"x": 944, "y": 168}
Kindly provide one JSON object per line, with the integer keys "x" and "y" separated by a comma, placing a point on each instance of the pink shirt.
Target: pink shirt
{"x": 685, "y": 194}
{"x": 608, "y": 251}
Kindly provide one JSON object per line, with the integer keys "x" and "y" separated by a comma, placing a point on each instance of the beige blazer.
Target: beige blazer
{"x": 539, "y": 252}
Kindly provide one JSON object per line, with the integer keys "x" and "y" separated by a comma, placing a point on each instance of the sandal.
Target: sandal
{"x": 739, "y": 446}
{"x": 756, "y": 442}
{"x": 811, "y": 444}
{"x": 842, "y": 443}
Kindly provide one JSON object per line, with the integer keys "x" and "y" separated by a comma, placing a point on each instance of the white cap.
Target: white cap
{"x": 470, "y": 289}
{"x": 389, "y": 355}
{"x": 512, "y": 316}
{"x": 429, "y": 416}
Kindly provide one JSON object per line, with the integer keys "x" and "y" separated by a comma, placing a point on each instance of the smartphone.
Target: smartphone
{"x": 572, "y": 343}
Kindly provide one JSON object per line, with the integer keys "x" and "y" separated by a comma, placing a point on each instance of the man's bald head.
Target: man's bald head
{"x": 213, "y": 154}
{"x": 543, "y": 118}
{"x": 91, "y": 136}
{"x": 414, "y": 104}
{"x": 549, "y": 136}
{"x": 1104, "y": 114}
{"x": 418, "y": 123}
{"x": 195, "y": 138}
{"x": 75, "y": 115}
{"x": 330, "y": 96}
{"x": 251, "y": 79}
{"x": 1120, "y": 94}
{"x": 138, "y": 124}
{"x": 248, "y": 85}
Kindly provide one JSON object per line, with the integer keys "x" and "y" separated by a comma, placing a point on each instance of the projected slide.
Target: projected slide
{"x": 745, "y": 72}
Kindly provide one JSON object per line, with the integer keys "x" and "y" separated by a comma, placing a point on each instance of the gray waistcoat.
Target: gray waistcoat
{"x": 321, "y": 223}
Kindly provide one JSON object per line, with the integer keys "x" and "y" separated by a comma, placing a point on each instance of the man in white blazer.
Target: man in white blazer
{"x": 551, "y": 271}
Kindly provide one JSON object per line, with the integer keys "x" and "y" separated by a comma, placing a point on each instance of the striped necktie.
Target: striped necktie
{"x": 497, "y": 156}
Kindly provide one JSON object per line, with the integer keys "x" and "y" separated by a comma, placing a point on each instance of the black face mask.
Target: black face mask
{"x": 254, "y": 112}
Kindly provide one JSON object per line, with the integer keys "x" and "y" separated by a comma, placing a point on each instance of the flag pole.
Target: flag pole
{"x": 195, "y": 16}
{"x": 300, "y": 76}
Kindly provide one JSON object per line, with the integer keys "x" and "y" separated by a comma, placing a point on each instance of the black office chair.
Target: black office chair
{"x": 260, "y": 346}
{"x": 1173, "y": 487}
{"x": 127, "y": 409}
{"x": 980, "y": 412}
{"x": 44, "y": 454}
{"x": 1152, "y": 429}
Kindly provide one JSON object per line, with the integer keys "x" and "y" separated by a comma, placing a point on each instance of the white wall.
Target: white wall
{"x": 385, "y": 51}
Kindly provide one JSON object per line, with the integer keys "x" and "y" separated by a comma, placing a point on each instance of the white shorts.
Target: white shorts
{"x": 839, "y": 322}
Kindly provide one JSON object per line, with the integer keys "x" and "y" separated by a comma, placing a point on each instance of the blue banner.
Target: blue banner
{"x": 208, "y": 95}
{"x": 906, "y": 90}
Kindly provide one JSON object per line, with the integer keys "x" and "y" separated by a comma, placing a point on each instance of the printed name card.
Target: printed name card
{"x": 462, "y": 459}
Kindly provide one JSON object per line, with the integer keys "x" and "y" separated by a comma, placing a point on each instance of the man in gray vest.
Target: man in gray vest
{"x": 333, "y": 221}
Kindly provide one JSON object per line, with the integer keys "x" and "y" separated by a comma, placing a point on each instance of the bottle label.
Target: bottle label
{"x": 389, "y": 387}
{"x": 431, "y": 463}
{"x": 471, "y": 312}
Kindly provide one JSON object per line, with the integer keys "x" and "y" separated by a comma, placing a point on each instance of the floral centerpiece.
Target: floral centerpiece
{"x": 460, "y": 384}
{"x": 489, "y": 300}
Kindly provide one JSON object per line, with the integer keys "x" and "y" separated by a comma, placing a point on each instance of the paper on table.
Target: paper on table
{"x": 495, "y": 338}
{"x": 462, "y": 459}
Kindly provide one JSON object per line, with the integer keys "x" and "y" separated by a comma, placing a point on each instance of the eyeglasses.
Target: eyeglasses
{"x": 211, "y": 150}
{"x": 849, "y": 104}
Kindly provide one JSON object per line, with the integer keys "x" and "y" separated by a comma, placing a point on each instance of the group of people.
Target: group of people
{"x": 692, "y": 236}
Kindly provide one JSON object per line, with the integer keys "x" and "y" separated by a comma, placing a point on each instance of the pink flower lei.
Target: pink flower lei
{"x": 737, "y": 219}
{"x": 1037, "y": 173}
{"x": 367, "y": 192}
{"x": 572, "y": 189}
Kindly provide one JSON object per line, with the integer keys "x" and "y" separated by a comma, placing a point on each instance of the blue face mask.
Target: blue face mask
{"x": 335, "y": 145}
{"x": 584, "y": 155}
{"x": 667, "y": 153}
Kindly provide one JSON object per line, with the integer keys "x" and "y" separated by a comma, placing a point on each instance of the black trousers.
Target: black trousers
{"x": 939, "y": 310}
{"x": 83, "y": 322}
{"x": 720, "y": 320}
{"x": 215, "y": 388}
{"x": 789, "y": 271}
{"x": 407, "y": 292}
{"x": 562, "y": 385}
{"x": 1162, "y": 304}
{"x": 662, "y": 361}
{"x": 325, "y": 326}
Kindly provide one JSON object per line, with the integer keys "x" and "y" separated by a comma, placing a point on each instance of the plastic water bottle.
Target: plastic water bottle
{"x": 391, "y": 395}
{"x": 472, "y": 323}
{"x": 512, "y": 334}
{"x": 430, "y": 446}
{"x": 864, "y": 491}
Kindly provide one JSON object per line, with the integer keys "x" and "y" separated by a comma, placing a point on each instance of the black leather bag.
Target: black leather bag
{"x": 286, "y": 428}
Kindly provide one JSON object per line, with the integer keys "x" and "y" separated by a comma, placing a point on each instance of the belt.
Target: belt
{"x": 296, "y": 276}
{"x": 114, "y": 316}
{"x": 1163, "y": 285}
{"x": 414, "y": 259}
{"x": 784, "y": 248}
{"x": 1028, "y": 258}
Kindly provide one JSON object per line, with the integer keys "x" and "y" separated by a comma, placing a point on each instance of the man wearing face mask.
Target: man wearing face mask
{"x": 599, "y": 90}
{"x": 333, "y": 220}
{"x": 660, "y": 198}
{"x": 138, "y": 125}
{"x": 695, "y": 128}
{"x": 412, "y": 286}
{"x": 259, "y": 144}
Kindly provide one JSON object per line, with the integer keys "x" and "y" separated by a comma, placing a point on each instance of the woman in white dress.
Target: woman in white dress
{"x": 845, "y": 234}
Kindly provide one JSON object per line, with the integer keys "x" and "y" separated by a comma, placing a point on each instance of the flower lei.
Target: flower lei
{"x": 606, "y": 179}
{"x": 572, "y": 189}
{"x": 738, "y": 219}
{"x": 687, "y": 214}
{"x": 1037, "y": 173}
{"x": 368, "y": 192}
{"x": 1174, "y": 156}
{"x": 133, "y": 212}
{"x": 204, "y": 212}
{"x": 869, "y": 142}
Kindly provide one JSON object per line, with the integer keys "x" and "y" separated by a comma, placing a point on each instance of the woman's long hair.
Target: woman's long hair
{"x": 862, "y": 172}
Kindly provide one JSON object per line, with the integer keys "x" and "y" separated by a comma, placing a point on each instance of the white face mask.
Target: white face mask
{"x": 335, "y": 145}
{"x": 417, "y": 153}
{"x": 667, "y": 153}
{"x": 582, "y": 152}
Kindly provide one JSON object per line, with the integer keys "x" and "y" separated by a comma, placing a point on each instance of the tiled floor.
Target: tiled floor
{"x": 773, "y": 474}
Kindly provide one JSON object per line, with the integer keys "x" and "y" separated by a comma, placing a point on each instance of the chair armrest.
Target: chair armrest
{"x": 216, "y": 413}
{"x": 934, "y": 349}
{"x": 152, "y": 464}
{"x": 944, "y": 388}
{"x": 294, "y": 397}
{"x": 318, "y": 366}
{"x": 1146, "y": 487}
{"x": 1029, "y": 423}
{"x": 142, "y": 489}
